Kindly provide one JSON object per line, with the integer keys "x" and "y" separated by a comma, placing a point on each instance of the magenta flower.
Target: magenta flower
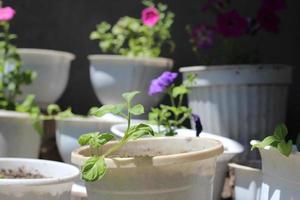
{"x": 274, "y": 5}
{"x": 268, "y": 20}
{"x": 203, "y": 36}
{"x": 150, "y": 16}
{"x": 6, "y": 13}
{"x": 231, "y": 24}
{"x": 161, "y": 83}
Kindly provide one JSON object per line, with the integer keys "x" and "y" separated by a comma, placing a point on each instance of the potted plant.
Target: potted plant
{"x": 138, "y": 44}
{"x": 150, "y": 168}
{"x": 241, "y": 88}
{"x": 29, "y": 179}
{"x": 169, "y": 120}
{"x": 69, "y": 127}
{"x": 20, "y": 122}
{"x": 280, "y": 163}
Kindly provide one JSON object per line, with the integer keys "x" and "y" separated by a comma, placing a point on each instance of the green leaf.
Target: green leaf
{"x": 114, "y": 109}
{"x": 93, "y": 169}
{"x": 137, "y": 110}
{"x": 280, "y": 132}
{"x": 268, "y": 141}
{"x": 85, "y": 138}
{"x": 285, "y": 148}
{"x": 128, "y": 96}
{"x": 53, "y": 109}
{"x": 95, "y": 139}
{"x": 66, "y": 114}
{"x": 179, "y": 90}
{"x": 139, "y": 131}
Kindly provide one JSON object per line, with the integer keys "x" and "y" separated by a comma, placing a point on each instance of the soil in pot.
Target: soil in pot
{"x": 21, "y": 173}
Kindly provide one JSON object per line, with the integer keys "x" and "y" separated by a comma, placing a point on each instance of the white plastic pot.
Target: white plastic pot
{"x": 18, "y": 137}
{"x": 281, "y": 177}
{"x": 52, "y": 69}
{"x": 112, "y": 75}
{"x": 231, "y": 149}
{"x": 247, "y": 182}
{"x": 56, "y": 185}
{"x": 69, "y": 130}
{"x": 240, "y": 101}
{"x": 171, "y": 168}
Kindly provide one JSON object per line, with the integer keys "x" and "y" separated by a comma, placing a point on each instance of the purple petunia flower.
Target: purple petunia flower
{"x": 268, "y": 20}
{"x": 203, "y": 36}
{"x": 198, "y": 125}
{"x": 231, "y": 24}
{"x": 274, "y": 5}
{"x": 159, "y": 84}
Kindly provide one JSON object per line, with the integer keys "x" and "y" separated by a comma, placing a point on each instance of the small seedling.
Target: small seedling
{"x": 95, "y": 168}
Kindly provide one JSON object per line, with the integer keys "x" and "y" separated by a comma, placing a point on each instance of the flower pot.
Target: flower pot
{"x": 240, "y": 101}
{"x": 156, "y": 168}
{"x": 57, "y": 183}
{"x": 231, "y": 149}
{"x": 69, "y": 130}
{"x": 52, "y": 69}
{"x": 247, "y": 182}
{"x": 18, "y": 137}
{"x": 111, "y": 75}
{"x": 281, "y": 178}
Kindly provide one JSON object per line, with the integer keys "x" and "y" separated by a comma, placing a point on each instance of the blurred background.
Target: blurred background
{"x": 66, "y": 24}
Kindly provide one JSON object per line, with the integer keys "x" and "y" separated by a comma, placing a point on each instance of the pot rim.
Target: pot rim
{"x": 50, "y": 52}
{"x": 232, "y": 67}
{"x": 238, "y": 148}
{"x": 40, "y": 181}
{"x": 91, "y": 119}
{"x": 216, "y": 150}
{"x": 169, "y": 61}
{"x": 13, "y": 114}
{"x": 243, "y": 167}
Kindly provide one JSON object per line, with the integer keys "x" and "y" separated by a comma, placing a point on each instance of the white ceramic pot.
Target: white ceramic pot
{"x": 112, "y": 75}
{"x": 281, "y": 177}
{"x": 163, "y": 168}
{"x": 69, "y": 130}
{"x": 52, "y": 69}
{"x": 18, "y": 137}
{"x": 56, "y": 185}
{"x": 240, "y": 101}
{"x": 247, "y": 182}
{"x": 231, "y": 149}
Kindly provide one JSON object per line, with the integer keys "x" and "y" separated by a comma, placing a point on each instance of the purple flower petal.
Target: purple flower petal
{"x": 161, "y": 83}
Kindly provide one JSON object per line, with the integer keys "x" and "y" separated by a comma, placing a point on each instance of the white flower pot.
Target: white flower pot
{"x": 281, "y": 177}
{"x": 112, "y": 75}
{"x": 52, "y": 69}
{"x": 240, "y": 101}
{"x": 247, "y": 182}
{"x": 231, "y": 149}
{"x": 18, "y": 137}
{"x": 56, "y": 185}
{"x": 69, "y": 130}
{"x": 171, "y": 168}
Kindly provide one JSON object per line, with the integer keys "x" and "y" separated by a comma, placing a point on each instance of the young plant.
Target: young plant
{"x": 135, "y": 37}
{"x": 278, "y": 141}
{"x": 12, "y": 78}
{"x": 173, "y": 116}
{"x": 95, "y": 168}
{"x": 54, "y": 111}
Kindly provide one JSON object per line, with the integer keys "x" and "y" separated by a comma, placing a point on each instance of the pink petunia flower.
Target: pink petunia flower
{"x": 6, "y": 13}
{"x": 268, "y": 19}
{"x": 203, "y": 36}
{"x": 231, "y": 24}
{"x": 150, "y": 16}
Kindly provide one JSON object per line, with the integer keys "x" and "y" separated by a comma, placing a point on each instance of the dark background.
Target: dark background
{"x": 66, "y": 24}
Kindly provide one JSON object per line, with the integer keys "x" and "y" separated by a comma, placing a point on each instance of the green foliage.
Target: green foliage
{"x": 130, "y": 37}
{"x": 94, "y": 168}
{"x": 277, "y": 140}
{"x": 55, "y": 112}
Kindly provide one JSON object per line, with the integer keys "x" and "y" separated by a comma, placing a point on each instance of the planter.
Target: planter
{"x": 56, "y": 185}
{"x": 247, "y": 182}
{"x": 240, "y": 101}
{"x": 231, "y": 149}
{"x": 69, "y": 130}
{"x": 281, "y": 178}
{"x": 111, "y": 75}
{"x": 18, "y": 137}
{"x": 156, "y": 168}
{"x": 52, "y": 69}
